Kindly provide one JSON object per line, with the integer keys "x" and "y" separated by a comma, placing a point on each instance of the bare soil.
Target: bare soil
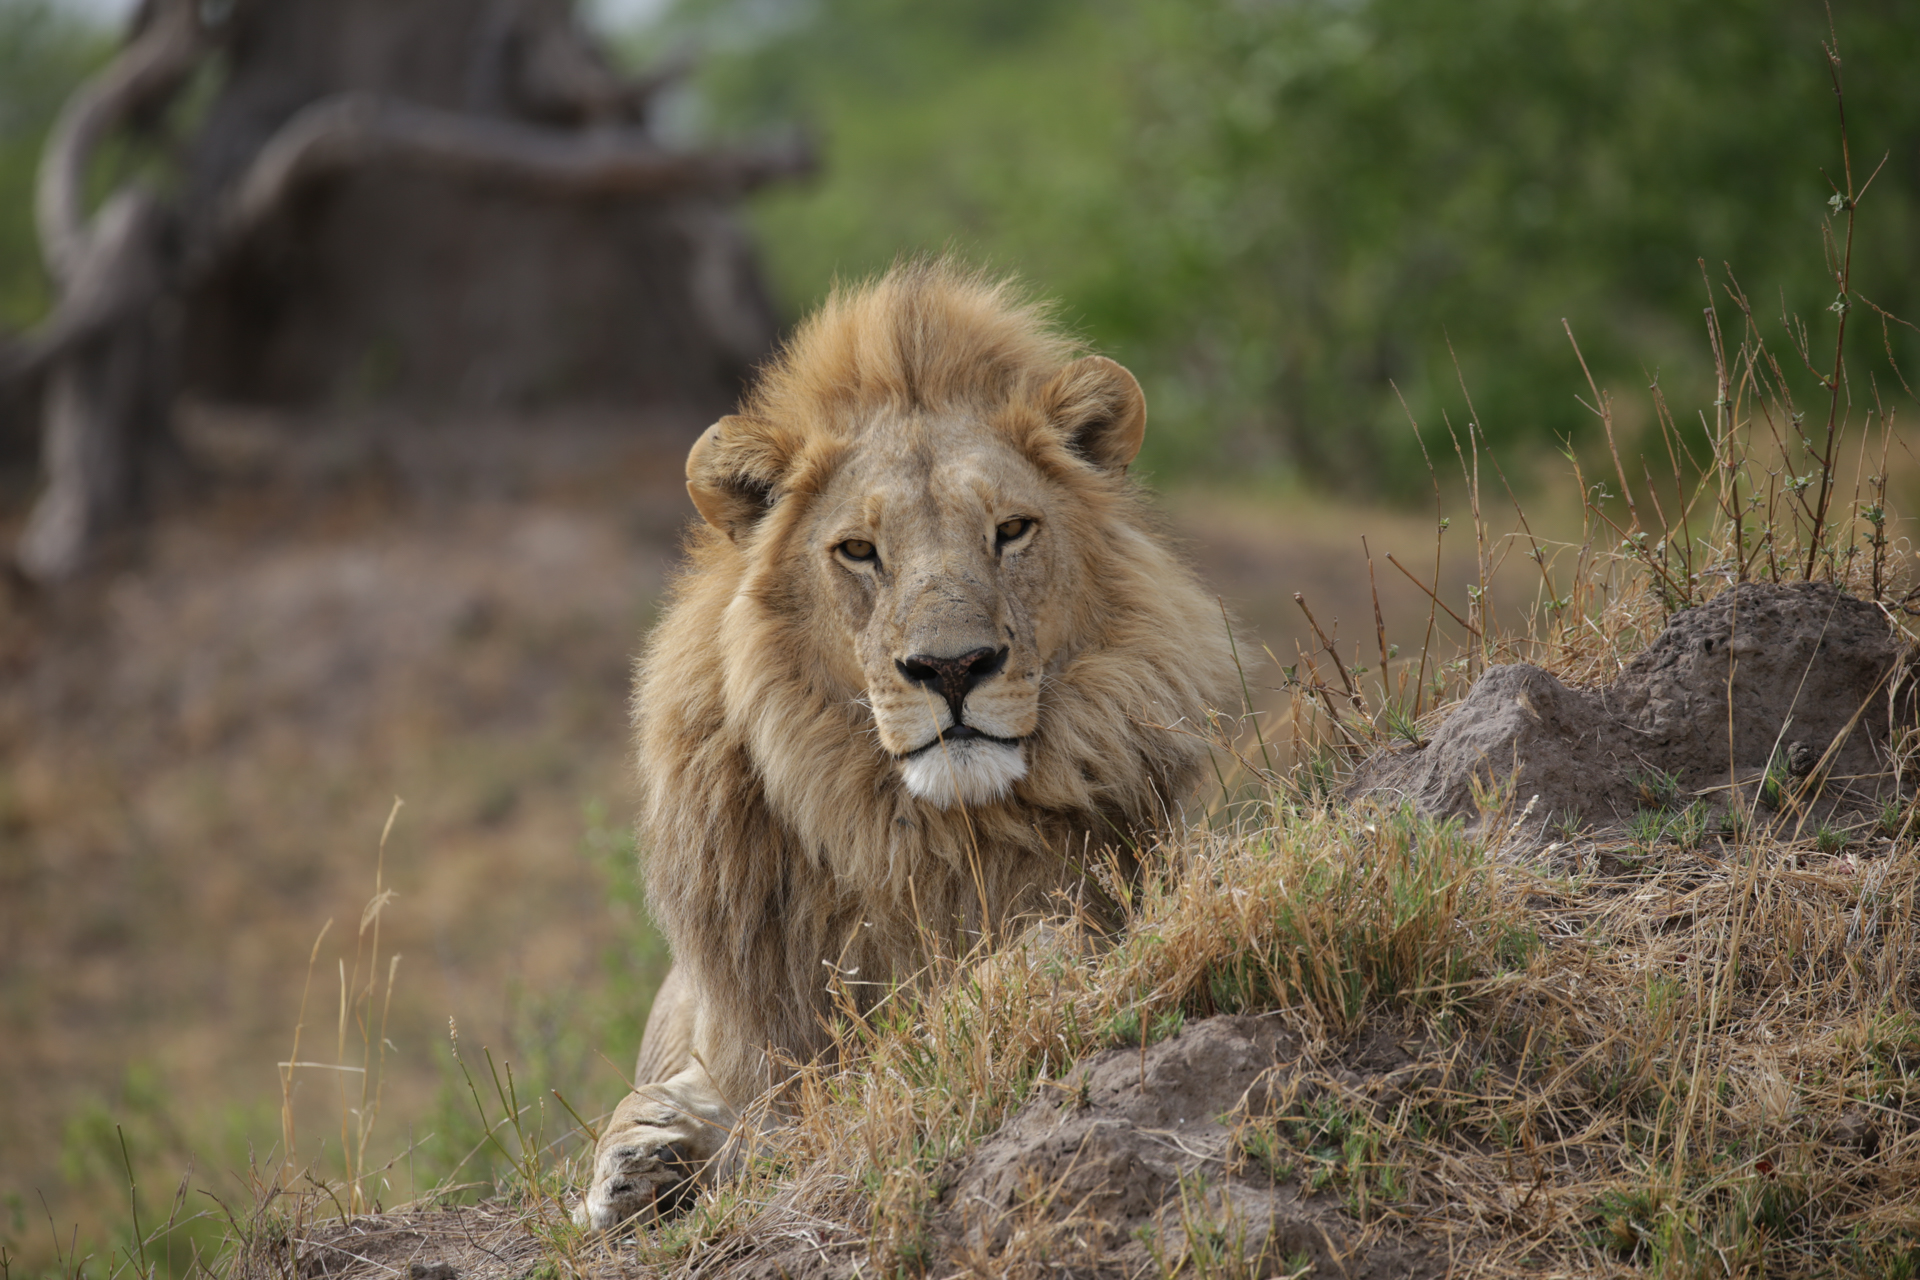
{"x": 1140, "y": 1154}
{"x": 478, "y": 1242}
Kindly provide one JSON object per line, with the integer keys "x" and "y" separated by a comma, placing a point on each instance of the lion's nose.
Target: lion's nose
{"x": 952, "y": 678}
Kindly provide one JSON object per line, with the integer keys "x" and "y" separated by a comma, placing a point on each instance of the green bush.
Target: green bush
{"x": 1278, "y": 212}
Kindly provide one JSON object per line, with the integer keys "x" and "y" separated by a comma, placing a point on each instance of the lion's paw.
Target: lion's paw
{"x": 643, "y": 1173}
{"x": 662, "y": 1140}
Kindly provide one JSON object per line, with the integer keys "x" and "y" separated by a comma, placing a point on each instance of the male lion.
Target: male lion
{"x": 927, "y": 651}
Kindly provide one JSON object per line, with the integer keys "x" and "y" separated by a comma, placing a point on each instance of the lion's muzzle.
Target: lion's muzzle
{"x": 961, "y": 763}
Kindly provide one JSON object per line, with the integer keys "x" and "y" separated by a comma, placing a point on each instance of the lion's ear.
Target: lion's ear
{"x": 1098, "y": 406}
{"x": 730, "y": 475}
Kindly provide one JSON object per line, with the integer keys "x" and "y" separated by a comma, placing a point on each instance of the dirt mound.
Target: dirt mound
{"x": 1136, "y": 1162}
{"x": 1797, "y": 678}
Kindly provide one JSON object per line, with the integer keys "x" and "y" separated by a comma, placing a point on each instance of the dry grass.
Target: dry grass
{"x": 1710, "y": 1066}
{"x": 1318, "y": 916}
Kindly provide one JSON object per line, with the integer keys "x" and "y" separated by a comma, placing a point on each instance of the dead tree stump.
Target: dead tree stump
{"x": 445, "y": 203}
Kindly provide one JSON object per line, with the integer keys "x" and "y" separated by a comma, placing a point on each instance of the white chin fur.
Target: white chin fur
{"x": 950, "y": 773}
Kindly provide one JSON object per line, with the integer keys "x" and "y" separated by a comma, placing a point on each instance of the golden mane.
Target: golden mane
{"x": 927, "y": 335}
{"x": 780, "y": 846}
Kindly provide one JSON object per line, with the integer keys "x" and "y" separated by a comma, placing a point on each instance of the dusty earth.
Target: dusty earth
{"x": 1798, "y": 679}
{"x": 201, "y": 741}
{"x": 1136, "y": 1158}
{"x": 1139, "y": 1153}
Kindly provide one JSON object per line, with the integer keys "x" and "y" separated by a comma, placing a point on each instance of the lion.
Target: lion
{"x": 927, "y": 649}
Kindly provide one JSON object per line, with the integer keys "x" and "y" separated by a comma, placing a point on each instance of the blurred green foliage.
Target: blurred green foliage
{"x": 131, "y": 1155}
{"x": 1277, "y": 211}
{"x": 44, "y": 53}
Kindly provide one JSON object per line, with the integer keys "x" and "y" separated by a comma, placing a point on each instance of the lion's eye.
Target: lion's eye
{"x": 1011, "y": 530}
{"x": 857, "y": 549}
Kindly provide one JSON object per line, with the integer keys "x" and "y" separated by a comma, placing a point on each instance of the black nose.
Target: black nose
{"x": 952, "y": 678}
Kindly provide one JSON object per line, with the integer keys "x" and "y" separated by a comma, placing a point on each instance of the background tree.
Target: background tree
{"x": 1286, "y": 216}
{"x": 441, "y": 202}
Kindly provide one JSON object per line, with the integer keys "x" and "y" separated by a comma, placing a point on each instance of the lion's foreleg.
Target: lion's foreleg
{"x": 667, "y": 1133}
{"x": 666, "y": 1047}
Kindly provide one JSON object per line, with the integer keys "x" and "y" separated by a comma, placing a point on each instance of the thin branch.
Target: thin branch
{"x": 1431, "y": 596}
{"x": 1339, "y": 667}
{"x": 351, "y": 130}
{"x": 1849, "y": 202}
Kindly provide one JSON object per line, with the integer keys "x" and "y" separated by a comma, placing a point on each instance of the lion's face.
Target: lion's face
{"x": 924, "y": 560}
{"x": 938, "y": 548}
